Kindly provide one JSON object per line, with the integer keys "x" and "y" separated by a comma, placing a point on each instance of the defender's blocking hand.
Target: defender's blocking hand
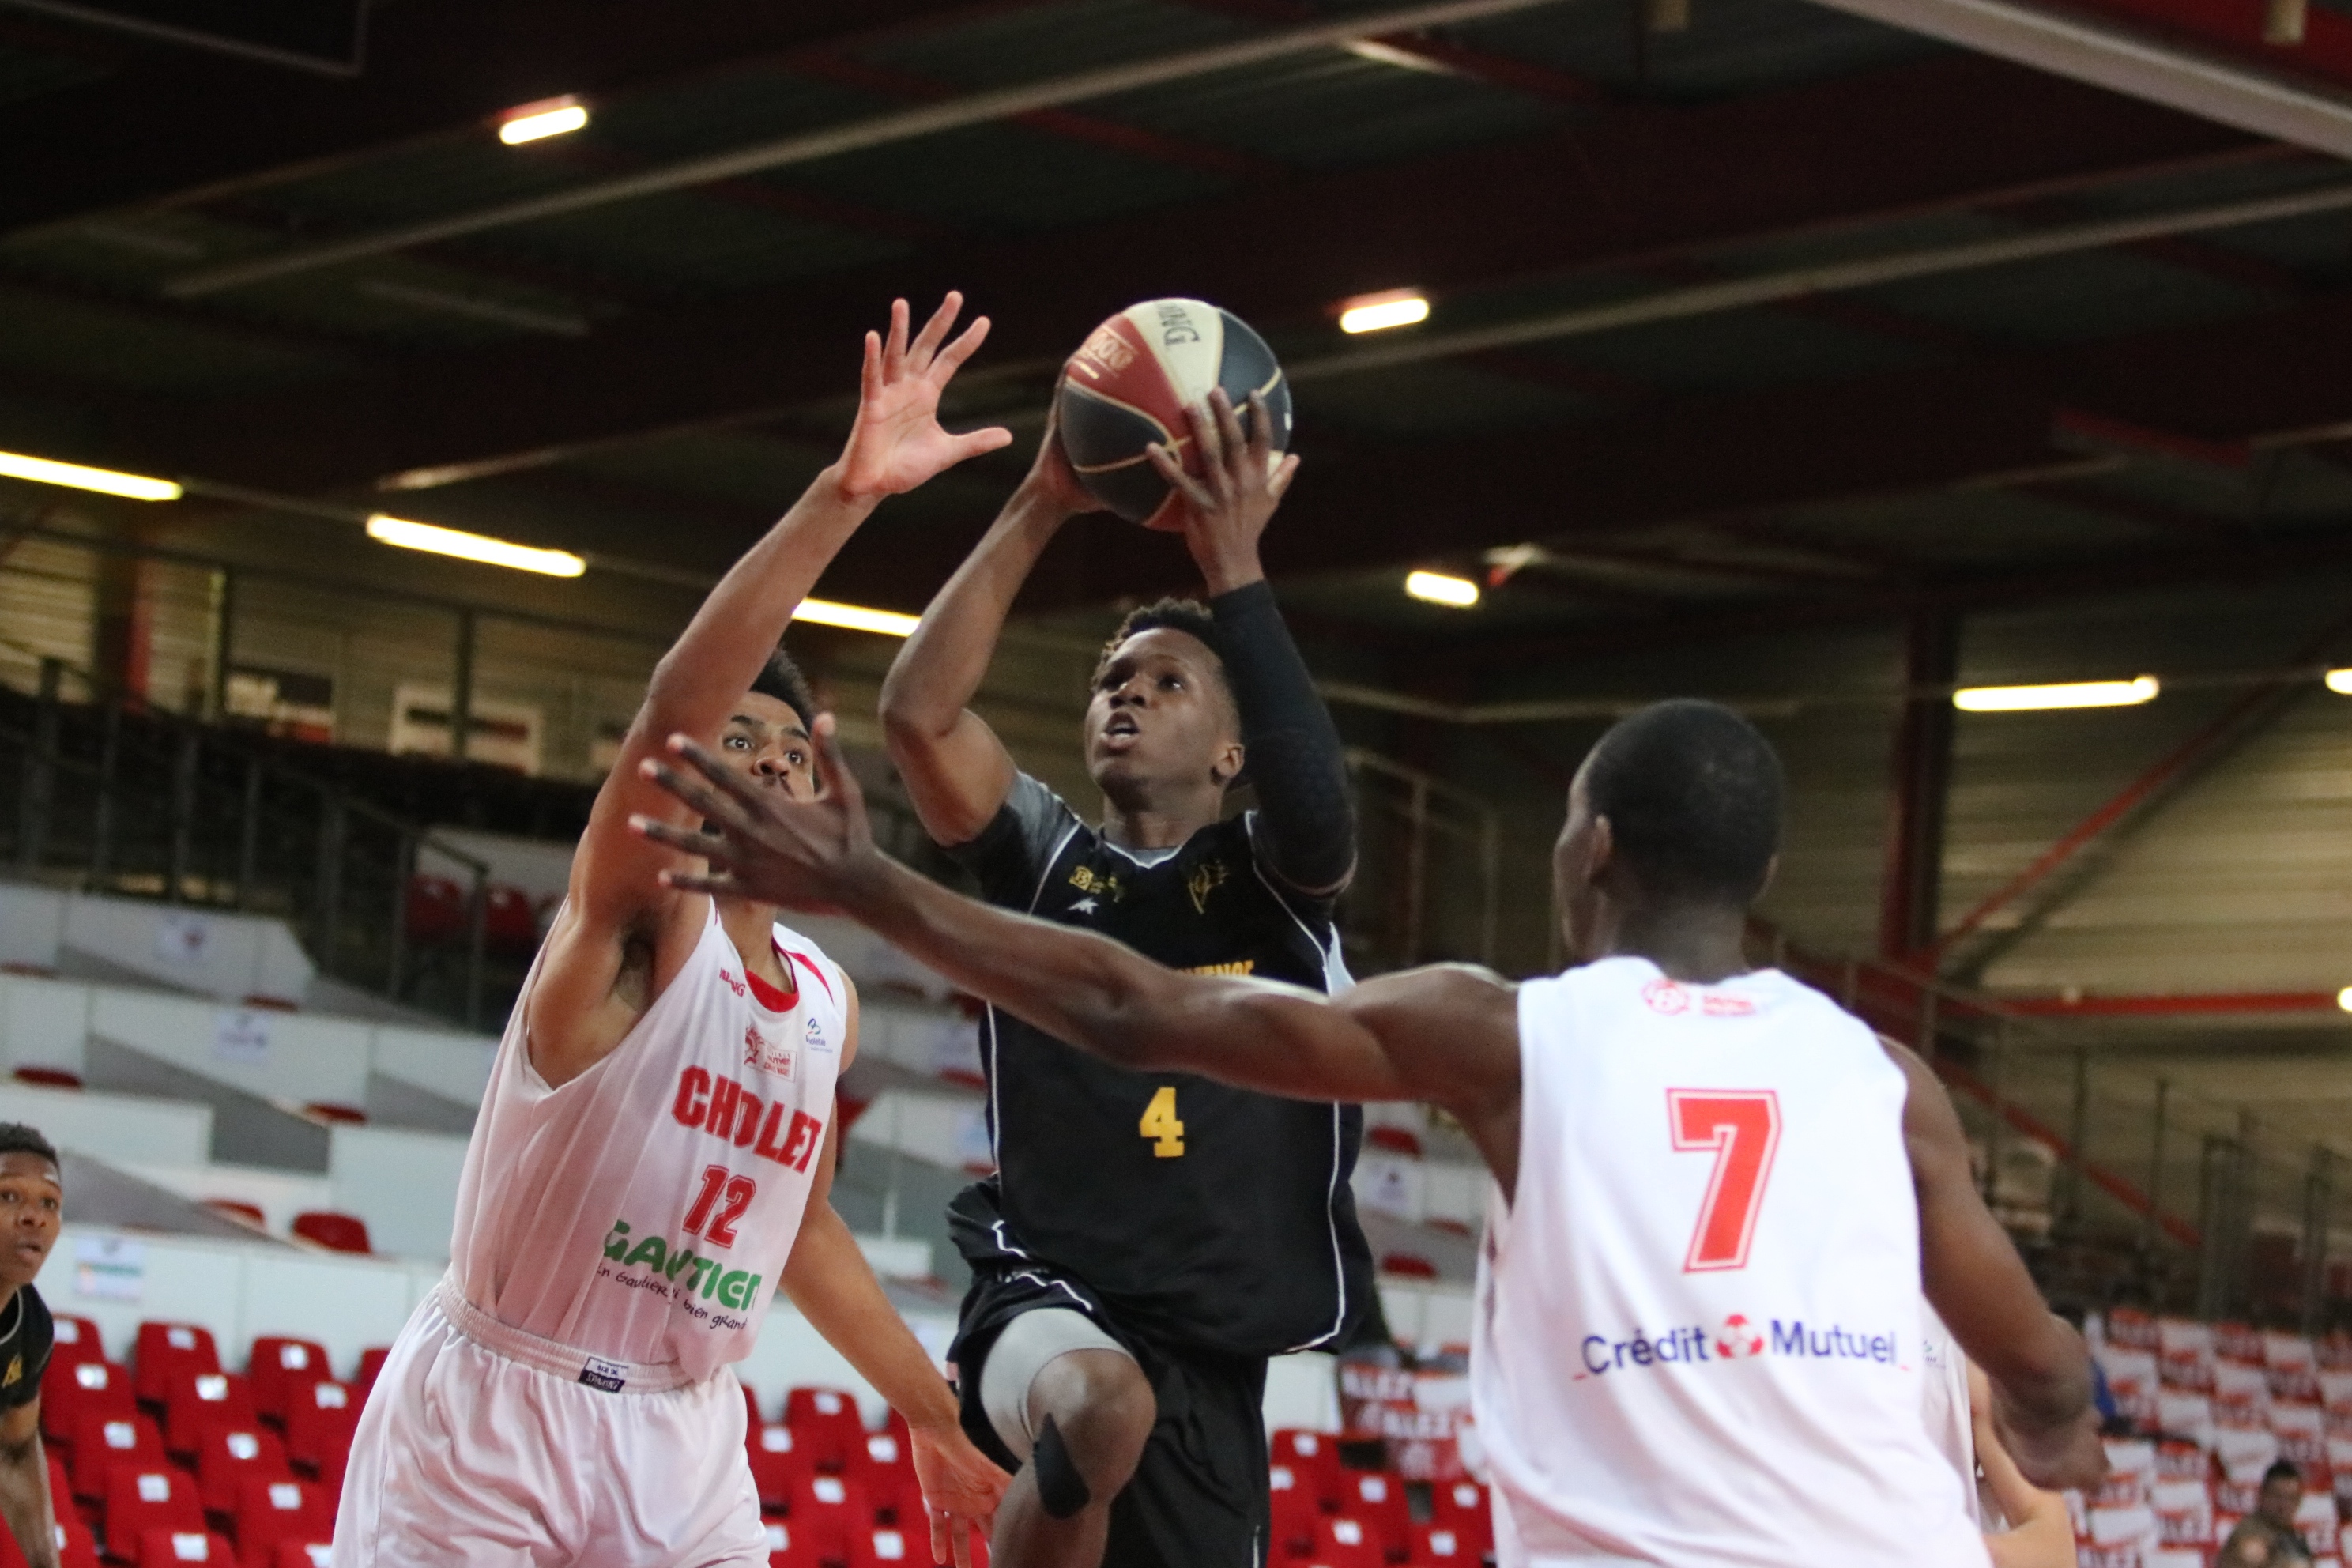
{"x": 898, "y": 442}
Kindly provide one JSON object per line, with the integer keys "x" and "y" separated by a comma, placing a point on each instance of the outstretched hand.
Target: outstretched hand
{"x": 769, "y": 848}
{"x": 962, "y": 1488}
{"x": 1240, "y": 482}
{"x": 896, "y": 443}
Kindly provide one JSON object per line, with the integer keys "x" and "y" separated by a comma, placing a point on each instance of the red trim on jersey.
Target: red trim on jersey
{"x": 813, "y": 968}
{"x": 771, "y": 997}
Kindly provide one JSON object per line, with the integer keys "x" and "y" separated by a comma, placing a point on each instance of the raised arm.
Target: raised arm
{"x": 1306, "y": 820}
{"x": 614, "y": 909}
{"x": 1447, "y": 1033}
{"x": 2038, "y": 1366}
{"x": 955, "y": 769}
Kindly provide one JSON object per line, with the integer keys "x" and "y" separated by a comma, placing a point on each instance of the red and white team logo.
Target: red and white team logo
{"x": 1738, "y": 1338}
{"x": 1666, "y": 996}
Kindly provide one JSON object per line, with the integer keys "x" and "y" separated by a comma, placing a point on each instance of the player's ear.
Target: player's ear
{"x": 1771, "y": 869}
{"x": 1227, "y": 766}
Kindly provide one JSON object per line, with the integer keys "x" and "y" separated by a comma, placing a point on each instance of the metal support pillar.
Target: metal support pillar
{"x": 249, "y": 834}
{"x": 2152, "y": 1228}
{"x": 477, "y": 907}
{"x": 1912, "y": 888}
{"x": 103, "y": 810}
{"x": 2217, "y": 1204}
{"x": 2319, "y": 1202}
{"x": 40, "y": 786}
{"x": 224, "y": 643}
{"x": 2078, "y": 1133}
{"x": 326, "y": 905}
{"x": 461, "y": 690}
{"x": 185, "y": 758}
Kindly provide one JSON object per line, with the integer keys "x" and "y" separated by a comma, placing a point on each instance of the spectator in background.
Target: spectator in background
{"x": 2267, "y": 1537}
{"x": 31, "y": 1206}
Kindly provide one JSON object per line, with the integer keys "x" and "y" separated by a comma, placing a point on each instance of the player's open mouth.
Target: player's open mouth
{"x": 1120, "y": 733}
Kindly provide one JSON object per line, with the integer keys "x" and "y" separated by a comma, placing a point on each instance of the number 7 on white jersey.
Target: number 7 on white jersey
{"x": 1741, "y": 1127}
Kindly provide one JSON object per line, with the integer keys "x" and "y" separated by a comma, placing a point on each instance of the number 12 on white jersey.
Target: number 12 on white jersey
{"x": 1741, "y": 1127}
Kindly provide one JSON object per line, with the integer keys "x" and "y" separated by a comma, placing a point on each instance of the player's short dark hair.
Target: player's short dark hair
{"x": 1188, "y": 615}
{"x": 780, "y": 678}
{"x": 16, "y": 1138}
{"x": 1691, "y": 792}
{"x": 2282, "y": 1470}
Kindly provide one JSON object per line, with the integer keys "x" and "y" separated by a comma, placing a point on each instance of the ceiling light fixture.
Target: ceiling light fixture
{"x": 1378, "y": 312}
{"x": 1439, "y": 588}
{"x": 106, "y": 482}
{"x": 2339, "y": 682}
{"x": 536, "y": 122}
{"x": 478, "y": 547}
{"x": 2070, "y": 694}
{"x": 857, "y": 618}
{"x": 2344, "y": 998}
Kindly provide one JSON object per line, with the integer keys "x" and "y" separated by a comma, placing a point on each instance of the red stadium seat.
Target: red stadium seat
{"x": 1410, "y": 1264}
{"x": 197, "y": 1401}
{"x": 510, "y": 923}
{"x": 320, "y": 1421}
{"x": 47, "y": 1078}
{"x": 70, "y": 1392}
{"x": 301, "y": 1555}
{"x": 1341, "y": 1542}
{"x": 271, "y": 1510}
{"x": 372, "y": 1362}
{"x": 778, "y": 1464}
{"x": 101, "y": 1441}
{"x": 1377, "y": 1498}
{"x": 335, "y": 1231}
{"x": 889, "y": 1546}
{"x": 335, "y": 1111}
{"x": 786, "y": 1549}
{"x": 1395, "y": 1140}
{"x": 828, "y": 1422}
{"x": 275, "y": 1365}
{"x": 228, "y": 1456}
{"x": 1437, "y": 1545}
{"x": 139, "y": 1499}
{"x": 1313, "y": 1458}
{"x": 883, "y": 1465}
{"x": 75, "y": 1340}
{"x": 76, "y": 1542}
{"x": 164, "y": 1349}
{"x": 1297, "y": 1511}
{"x": 166, "y": 1548}
{"x": 436, "y": 910}
{"x": 238, "y": 1210}
{"x": 830, "y": 1512}
{"x": 1462, "y": 1506}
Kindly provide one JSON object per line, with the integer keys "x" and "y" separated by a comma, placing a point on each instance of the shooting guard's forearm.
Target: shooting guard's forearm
{"x": 940, "y": 668}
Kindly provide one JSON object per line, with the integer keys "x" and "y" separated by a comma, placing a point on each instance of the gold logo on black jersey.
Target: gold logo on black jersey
{"x": 1238, "y": 966}
{"x": 1087, "y": 879}
{"x": 15, "y": 1373}
{"x": 1206, "y": 877}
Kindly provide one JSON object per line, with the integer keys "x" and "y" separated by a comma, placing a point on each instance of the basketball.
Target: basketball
{"x": 1129, "y": 383}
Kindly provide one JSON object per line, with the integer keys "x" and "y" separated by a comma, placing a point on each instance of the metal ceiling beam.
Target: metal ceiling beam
{"x": 2142, "y": 63}
{"x": 857, "y": 135}
{"x": 167, "y": 124}
{"x": 1956, "y": 132}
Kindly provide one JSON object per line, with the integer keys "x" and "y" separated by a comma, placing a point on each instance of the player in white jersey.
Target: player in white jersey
{"x": 655, "y": 1151}
{"x": 1717, "y": 1195}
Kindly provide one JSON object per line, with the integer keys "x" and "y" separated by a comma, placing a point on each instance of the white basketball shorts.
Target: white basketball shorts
{"x": 468, "y": 1457}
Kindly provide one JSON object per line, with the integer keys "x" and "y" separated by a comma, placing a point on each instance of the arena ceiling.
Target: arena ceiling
{"x": 1778, "y": 315}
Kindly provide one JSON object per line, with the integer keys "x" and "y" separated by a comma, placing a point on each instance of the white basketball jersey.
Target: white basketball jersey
{"x": 642, "y": 1212}
{"x": 1697, "y": 1339}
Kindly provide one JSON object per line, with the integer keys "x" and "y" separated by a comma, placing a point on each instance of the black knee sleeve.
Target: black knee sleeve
{"x": 1059, "y": 1486}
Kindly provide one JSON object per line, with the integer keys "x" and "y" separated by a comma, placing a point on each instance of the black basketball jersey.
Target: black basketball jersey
{"x": 1199, "y": 1214}
{"x": 27, "y": 1335}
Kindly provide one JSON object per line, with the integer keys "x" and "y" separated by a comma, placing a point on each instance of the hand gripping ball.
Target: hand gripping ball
{"x": 1129, "y": 383}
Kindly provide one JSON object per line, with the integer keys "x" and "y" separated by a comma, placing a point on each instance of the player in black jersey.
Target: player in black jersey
{"x": 1148, "y": 1239}
{"x": 31, "y": 1199}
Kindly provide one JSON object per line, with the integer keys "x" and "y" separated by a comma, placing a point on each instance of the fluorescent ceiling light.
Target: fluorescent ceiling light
{"x": 473, "y": 547}
{"x": 2339, "y": 682}
{"x": 1438, "y": 588}
{"x": 1378, "y": 313}
{"x": 2344, "y": 998}
{"x": 106, "y": 482}
{"x": 534, "y": 120}
{"x": 2072, "y": 694}
{"x": 857, "y": 618}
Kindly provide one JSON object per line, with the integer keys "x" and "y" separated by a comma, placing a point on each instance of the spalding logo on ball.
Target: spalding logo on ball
{"x": 1129, "y": 385}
